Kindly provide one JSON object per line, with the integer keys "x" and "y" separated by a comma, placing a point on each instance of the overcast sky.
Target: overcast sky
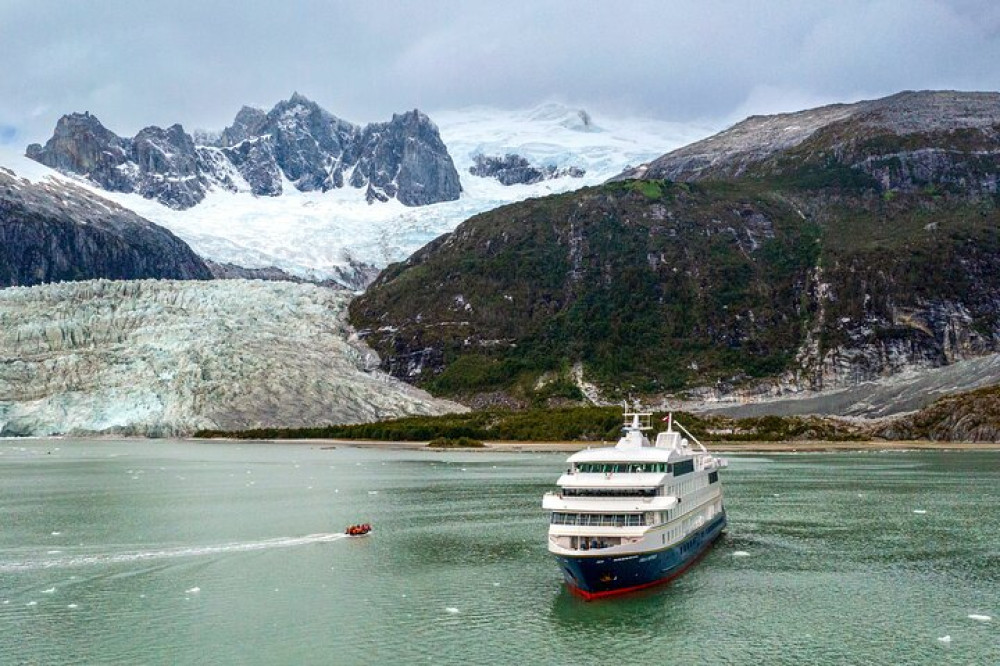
{"x": 135, "y": 63}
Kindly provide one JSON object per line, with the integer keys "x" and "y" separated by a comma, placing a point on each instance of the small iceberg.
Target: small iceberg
{"x": 451, "y": 609}
{"x": 980, "y": 618}
{"x": 741, "y": 553}
{"x": 49, "y": 591}
{"x": 193, "y": 590}
{"x": 920, "y": 511}
{"x": 945, "y": 639}
{"x": 71, "y": 606}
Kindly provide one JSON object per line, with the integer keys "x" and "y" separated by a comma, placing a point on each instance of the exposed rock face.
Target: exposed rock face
{"x": 161, "y": 358}
{"x": 53, "y": 231}
{"x": 968, "y": 417}
{"x": 297, "y": 140}
{"x": 513, "y": 169}
{"x": 353, "y": 277}
{"x": 405, "y": 159}
{"x": 906, "y": 141}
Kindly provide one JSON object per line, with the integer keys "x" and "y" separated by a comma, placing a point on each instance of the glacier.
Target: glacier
{"x": 164, "y": 358}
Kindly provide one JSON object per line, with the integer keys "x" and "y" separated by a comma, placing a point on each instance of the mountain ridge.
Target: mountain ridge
{"x": 56, "y": 231}
{"x": 297, "y": 142}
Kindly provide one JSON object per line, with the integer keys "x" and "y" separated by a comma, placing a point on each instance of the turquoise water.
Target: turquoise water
{"x": 160, "y": 552}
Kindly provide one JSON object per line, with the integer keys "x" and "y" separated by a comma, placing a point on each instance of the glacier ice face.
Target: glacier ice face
{"x": 162, "y": 358}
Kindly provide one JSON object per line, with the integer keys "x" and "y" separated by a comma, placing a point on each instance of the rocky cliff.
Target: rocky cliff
{"x": 904, "y": 142}
{"x": 162, "y": 358}
{"x": 806, "y": 252}
{"x": 296, "y": 142}
{"x": 511, "y": 169}
{"x": 52, "y": 231}
{"x": 966, "y": 417}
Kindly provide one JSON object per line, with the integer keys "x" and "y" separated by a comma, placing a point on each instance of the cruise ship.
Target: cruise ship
{"x": 636, "y": 514}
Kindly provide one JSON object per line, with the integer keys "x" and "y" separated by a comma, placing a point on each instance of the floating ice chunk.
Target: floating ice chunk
{"x": 49, "y": 591}
{"x": 920, "y": 511}
{"x": 71, "y": 606}
{"x": 451, "y": 609}
{"x": 980, "y": 618}
{"x": 32, "y": 603}
{"x": 945, "y": 639}
{"x": 52, "y": 552}
{"x": 193, "y": 590}
{"x": 777, "y": 494}
{"x": 464, "y": 469}
{"x": 741, "y": 553}
{"x": 56, "y": 533}
{"x": 373, "y": 492}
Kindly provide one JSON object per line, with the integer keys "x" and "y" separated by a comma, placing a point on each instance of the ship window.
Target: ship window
{"x": 683, "y": 467}
{"x": 598, "y": 519}
{"x": 713, "y": 477}
{"x": 622, "y": 468}
{"x": 609, "y": 492}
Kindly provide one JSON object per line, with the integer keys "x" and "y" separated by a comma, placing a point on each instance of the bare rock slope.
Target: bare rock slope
{"x": 165, "y": 358}
{"x": 53, "y": 230}
{"x": 927, "y": 136}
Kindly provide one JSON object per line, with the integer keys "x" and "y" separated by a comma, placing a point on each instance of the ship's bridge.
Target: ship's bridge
{"x": 646, "y": 454}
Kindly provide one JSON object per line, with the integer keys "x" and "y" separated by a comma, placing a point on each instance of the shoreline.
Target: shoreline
{"x": 715, "y": 447}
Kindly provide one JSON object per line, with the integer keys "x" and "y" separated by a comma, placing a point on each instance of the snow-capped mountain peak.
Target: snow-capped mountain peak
{"x": 317, "y": 233}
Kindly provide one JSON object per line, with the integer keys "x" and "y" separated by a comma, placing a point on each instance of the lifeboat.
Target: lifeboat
{"x": 361, "y": 529}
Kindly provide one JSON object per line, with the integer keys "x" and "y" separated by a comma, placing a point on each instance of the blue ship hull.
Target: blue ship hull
{"x": 594, "y": 576}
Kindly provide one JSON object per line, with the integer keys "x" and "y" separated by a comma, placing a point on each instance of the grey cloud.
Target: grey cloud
{"x": 197, "y": 62}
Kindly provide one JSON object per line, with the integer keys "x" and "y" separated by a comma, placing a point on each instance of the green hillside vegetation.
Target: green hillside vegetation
{"x": 653, "y": 284}
{"x": 559, "y": 425}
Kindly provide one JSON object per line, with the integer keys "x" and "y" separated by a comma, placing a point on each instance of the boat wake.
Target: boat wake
{"x": 168, "y": 553}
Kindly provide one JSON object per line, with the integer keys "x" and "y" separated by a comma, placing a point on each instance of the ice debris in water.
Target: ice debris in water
{"x": 192, "y": 590}
{"x": 373, "y": 492}
{"x": 919, "y": 511}
{"x": 56, "y": 533}
{"x": 945, "y": 639}
{"x": 451, "y": 609}
{"x": 980, "y": 618}
{"x": 49, "y": 591}
{"x": 741, "y": 553}
{"x": 72, "y": 606}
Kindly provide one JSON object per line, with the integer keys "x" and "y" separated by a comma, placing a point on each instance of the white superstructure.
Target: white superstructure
{"x": 637, "y": 496}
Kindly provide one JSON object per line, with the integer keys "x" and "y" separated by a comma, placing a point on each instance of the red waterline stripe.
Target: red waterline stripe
{"x": 589, "y": 596}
